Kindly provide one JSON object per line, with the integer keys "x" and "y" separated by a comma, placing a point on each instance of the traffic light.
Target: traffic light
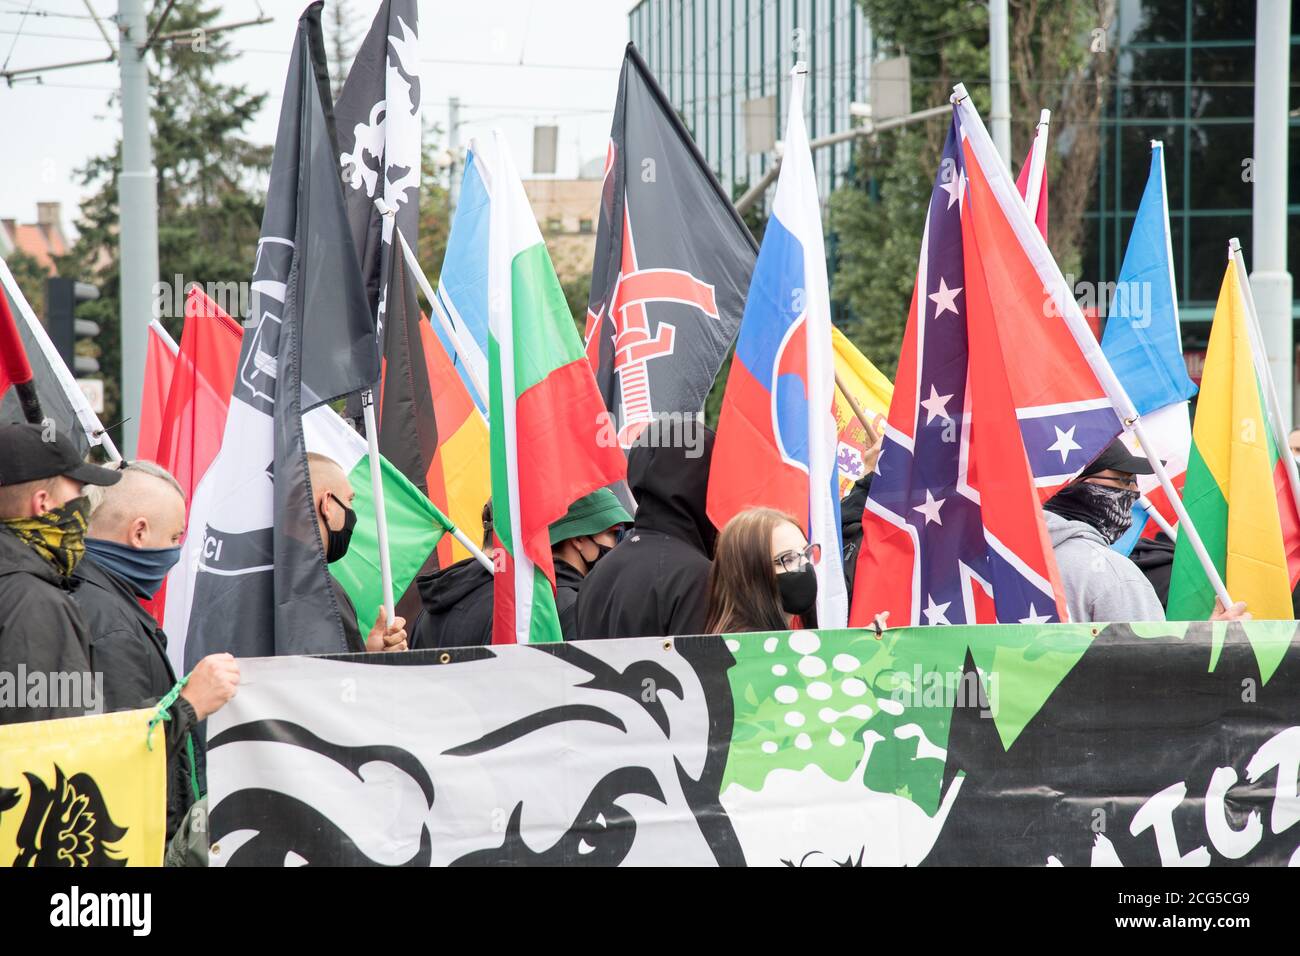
{"x": 62, "y": 296}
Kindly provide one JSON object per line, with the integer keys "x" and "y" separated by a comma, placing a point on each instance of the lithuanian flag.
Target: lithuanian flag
{"x": 547, "y": 417}
{"x": 1238, "y": 490}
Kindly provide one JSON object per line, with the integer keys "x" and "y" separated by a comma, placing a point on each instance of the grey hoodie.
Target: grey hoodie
{"x": 1100, "y": 583}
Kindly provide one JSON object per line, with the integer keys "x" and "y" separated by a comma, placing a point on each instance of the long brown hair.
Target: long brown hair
{"x": 743, "y": 593}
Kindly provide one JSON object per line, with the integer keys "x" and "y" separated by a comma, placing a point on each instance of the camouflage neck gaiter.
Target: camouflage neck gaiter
{"x": 58, "y": 536}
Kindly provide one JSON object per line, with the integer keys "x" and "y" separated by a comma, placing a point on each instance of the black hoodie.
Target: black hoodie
{"x": 656, "y": 581}
{"x": 457, "y": 607}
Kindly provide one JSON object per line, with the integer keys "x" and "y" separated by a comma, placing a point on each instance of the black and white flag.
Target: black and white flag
{"x": 259, "y": 581}
{"x": 378, "y": 115}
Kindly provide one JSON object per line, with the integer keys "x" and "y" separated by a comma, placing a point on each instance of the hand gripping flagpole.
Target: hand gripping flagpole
{"x": 423, "y": 282}
{"x": 1026, "y": 230}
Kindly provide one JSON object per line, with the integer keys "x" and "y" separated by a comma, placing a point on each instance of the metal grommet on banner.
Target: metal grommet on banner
{"x": 444, "y": 658}
{"x": 668, "y": 645}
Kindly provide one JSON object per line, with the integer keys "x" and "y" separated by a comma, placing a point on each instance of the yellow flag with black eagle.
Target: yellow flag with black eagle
{"x": 83, "y": 791}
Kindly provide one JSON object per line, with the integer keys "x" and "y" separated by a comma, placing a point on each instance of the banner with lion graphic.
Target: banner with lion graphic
{"x": 85, "y": 791}
{"x": 1055, "y": 745}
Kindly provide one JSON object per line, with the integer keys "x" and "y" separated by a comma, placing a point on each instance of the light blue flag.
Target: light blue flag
{"x": 1142, "y": 338}
{"x": 462, "y": 295}
{"x": 1143, "y": 341}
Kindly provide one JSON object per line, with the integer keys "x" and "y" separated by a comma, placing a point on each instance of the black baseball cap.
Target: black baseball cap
{"x": 1117, "y": 457}
{"x": 27, "y": 455}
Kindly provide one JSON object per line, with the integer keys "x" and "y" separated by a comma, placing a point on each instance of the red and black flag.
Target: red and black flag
{"x": 15, "y": 370}
{"x": 672, "y": 267}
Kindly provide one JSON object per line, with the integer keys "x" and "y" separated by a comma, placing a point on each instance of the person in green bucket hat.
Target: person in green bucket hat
{"x": 587, "y": 532}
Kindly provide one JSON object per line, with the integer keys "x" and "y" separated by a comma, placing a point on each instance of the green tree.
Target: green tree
{"x": 878, "y": 217}
{"x": 211, "y": 184}
{"x": 30, "y": 276}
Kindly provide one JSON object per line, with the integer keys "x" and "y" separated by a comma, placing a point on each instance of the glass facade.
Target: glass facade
{"x": 711, "y": 56}
{"x": 1184, "y": 74}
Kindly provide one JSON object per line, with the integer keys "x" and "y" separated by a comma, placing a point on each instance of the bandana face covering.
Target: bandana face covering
{"x": 1109, "y": 510}
{"x": 58, "y": 536}
{"x": 145, "y": 569}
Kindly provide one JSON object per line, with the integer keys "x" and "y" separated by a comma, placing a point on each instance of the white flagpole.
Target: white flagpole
{"x": 1037, "y": 160}
{"x": 377, "y": 488}
{"x": 1156, "y": 516}
{"x": 423, "y": 282}
{"x": 1263, "y": 370}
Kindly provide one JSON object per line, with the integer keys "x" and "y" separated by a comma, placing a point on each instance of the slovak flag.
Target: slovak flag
{"x": 999, "y": 400}
{"x": 776, "y": 441}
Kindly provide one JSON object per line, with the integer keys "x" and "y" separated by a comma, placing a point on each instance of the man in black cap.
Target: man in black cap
{"x": 1084, "y": 519}
{"x": 43, "y": 517}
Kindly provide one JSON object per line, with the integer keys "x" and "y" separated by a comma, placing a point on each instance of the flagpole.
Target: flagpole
{"x": 377, "y": 488}
{"x": 423, "y": 282}
{"x": 1156, "y": 516}
{"x": 861, "y": 416}
{"x": 1037, "y": 160}
{"x": 1263, "y": 370}
{"x": 1185, "y": 524}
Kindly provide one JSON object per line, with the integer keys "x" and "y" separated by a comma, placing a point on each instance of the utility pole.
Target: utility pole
{"x": 1270, "y": 280}
{"x": 453, "y": 148}
{"x": 1000, "y": 79}
{"x": 137, "y": 198}
{"x": 137, "y": 193}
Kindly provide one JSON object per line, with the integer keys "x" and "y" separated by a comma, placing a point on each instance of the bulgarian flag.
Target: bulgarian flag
{"x": 1239, "y": 490}
{"x": 545, "y": 411}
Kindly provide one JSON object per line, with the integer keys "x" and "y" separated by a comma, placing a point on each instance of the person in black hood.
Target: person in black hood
{"x": 656, "y": 582}
{"x": 457, "y": 601}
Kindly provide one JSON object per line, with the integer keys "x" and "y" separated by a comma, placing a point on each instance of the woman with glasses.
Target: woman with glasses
{"x": 764, "y": 575}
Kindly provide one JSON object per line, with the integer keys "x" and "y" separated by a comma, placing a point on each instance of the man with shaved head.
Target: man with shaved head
{"x": 132, "y": 541}
{"x": 332, "y": 496}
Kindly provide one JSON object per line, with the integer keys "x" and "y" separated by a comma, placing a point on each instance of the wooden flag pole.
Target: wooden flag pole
{"x": 872, "y": 435}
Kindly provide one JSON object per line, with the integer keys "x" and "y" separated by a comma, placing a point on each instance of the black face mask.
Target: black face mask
{"x": 798, "y": 590}
{"x": 1109, "y": 510}
{"x": 337, "y": 544}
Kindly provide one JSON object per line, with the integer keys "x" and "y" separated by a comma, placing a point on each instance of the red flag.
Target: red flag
{"x": 15, "y": 370}
{"x": 194, "y": 418}
{"x": 1035, "y": 170}
{"x": 159, "y": 365}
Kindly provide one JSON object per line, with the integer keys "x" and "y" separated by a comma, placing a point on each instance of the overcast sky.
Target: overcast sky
{"x": 513, "y": 63}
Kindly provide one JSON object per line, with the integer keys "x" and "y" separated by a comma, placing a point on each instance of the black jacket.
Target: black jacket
{"x": 351, "y": 620}
{"x": 656, "y": 581}
{"x": 1155, "y": 559}
{"x": 130, "y": 650}
{"x": 457, "y": 607}
{"x": 568, "y": 580}
{"x": 41, "y": 627}
{"x": 851, "y": 508}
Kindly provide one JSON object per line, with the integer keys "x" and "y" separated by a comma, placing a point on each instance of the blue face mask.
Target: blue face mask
{"x": 144, "y": 569}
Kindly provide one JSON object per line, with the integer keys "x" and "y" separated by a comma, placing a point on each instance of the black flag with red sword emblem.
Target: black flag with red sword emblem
{"x": 672, "y": 267}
